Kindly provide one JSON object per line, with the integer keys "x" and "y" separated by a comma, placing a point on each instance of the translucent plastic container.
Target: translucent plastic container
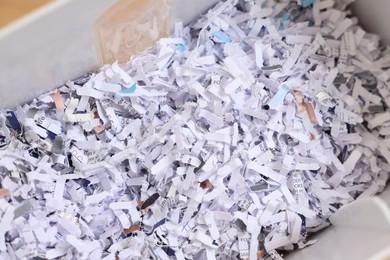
{"x": 129, "y": 27}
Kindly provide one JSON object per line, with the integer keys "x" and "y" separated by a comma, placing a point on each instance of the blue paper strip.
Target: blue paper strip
{"x": 279, "y": 97}
{"x": 130, "y": 90}
{"x": 169, "y": 251}
{"x": 51, "y": 135}
{"x": 181, "y": 47}
{"x": 307, "y": 3}
{"x": 222, "y": 36}
{"x": 285, "y": 18}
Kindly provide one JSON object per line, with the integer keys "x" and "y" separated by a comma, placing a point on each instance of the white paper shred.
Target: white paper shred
{"x": 237, "y": 137}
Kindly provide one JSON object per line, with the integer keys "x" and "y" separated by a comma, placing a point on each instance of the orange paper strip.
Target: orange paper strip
{"x": 58, "y": 100}
{"x": 98, "y": 129}
{"x": 131, "y": 229}
{"x": 206, "y": 185}
{"x": 311, "y": 113}
{"x": 299, "y": 100}
{"x": 4, "y": 192}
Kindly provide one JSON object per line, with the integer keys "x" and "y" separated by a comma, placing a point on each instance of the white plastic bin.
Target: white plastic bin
{"x": 45, "y": 49}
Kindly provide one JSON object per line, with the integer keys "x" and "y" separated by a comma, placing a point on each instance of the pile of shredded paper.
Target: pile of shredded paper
{"x": 236, "y": 137}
